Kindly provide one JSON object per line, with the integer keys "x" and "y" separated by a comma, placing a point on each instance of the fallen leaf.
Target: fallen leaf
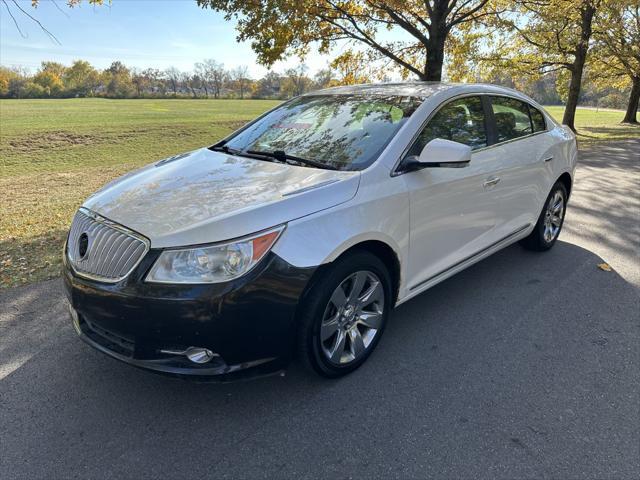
{"x": 605, "y": 266}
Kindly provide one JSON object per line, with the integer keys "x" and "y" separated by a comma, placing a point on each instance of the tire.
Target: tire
{"x": 550, "y": 221}
{"x": 329, "y": 319}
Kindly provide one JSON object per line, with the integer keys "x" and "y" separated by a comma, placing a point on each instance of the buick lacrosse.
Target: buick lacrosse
{"x": 297, "y": 234}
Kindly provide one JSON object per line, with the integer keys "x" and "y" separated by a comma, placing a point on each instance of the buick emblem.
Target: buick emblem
{"x": 83, "y": 245}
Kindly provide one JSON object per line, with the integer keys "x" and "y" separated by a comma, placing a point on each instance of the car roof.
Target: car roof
{"x": 416, "y": 89}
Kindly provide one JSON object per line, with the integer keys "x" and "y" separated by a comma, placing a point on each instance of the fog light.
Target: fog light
{"x": 195, "y": 354}
{"x": 199, "y": 355}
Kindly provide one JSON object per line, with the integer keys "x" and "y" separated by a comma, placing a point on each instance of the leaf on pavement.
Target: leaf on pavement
{"x": 605, "y": 266}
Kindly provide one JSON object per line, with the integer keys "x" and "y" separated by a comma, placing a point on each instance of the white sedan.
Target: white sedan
{"x": 297, "y": 234}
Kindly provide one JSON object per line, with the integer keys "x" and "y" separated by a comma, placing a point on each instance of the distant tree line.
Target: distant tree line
{"x": 210, "y": 79}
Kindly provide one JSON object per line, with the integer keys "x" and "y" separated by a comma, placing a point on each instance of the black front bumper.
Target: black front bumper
{"x": 249, "y": 322}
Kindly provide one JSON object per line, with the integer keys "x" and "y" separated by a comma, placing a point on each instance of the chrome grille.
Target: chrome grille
{"x": 112, "y": 251}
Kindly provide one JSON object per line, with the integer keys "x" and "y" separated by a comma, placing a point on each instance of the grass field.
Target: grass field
{"x": 54, "y": 153}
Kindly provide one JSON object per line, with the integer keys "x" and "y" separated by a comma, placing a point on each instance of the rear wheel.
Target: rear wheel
{"x": 550, "y": 222}
{"x": 345, "y": 314}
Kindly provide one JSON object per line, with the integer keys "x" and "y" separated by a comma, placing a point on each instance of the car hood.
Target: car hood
{"x": 206, "y": 196}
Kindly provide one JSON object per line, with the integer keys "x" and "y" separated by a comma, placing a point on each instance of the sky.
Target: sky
{"x": 140, "y": 33}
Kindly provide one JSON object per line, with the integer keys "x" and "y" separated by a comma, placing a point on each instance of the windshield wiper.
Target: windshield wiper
{"x": 282, "y": 156}
{"x": 221, "y": 147}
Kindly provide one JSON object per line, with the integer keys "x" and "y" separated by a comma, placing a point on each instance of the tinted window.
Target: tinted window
{"x": 512, "y": 118}
{"x": 537, "y": 119}
{"x": 461, "y": 121}
{"x": 344, "y": 131}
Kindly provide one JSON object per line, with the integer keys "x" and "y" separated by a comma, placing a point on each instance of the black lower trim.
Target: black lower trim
{"x": 249, "y": 322}
{"x": 471, "y": 257}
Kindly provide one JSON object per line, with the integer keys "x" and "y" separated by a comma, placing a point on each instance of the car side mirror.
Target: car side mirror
{"x": 441, "y": 153}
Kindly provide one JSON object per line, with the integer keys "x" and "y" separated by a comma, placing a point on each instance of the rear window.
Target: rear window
{"x": 511, "y": 117}
{"x": 537, "y": 118}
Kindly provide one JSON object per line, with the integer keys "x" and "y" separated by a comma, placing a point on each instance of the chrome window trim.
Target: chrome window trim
{"x": 395, "y": 172}
{"x": 115, "y": 226}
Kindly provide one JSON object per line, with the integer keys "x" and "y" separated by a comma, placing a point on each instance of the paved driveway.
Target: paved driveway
{"x": 525, "y": 365}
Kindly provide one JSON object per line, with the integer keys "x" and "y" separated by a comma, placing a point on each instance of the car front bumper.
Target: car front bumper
{"x": 248, "y": 323}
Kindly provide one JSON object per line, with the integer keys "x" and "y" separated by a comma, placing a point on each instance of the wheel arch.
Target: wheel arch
{"x": 388, "y": 256}
{"x": 378, "y": 247}
{"x": 567, "y": 181}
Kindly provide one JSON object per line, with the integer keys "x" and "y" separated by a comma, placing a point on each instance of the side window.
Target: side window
{"x": 461, "y": 121}
{"x": 537, "y": 118}
{"x": 512, "y": 118}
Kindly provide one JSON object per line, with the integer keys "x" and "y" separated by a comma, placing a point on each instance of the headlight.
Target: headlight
{"x": 212, "y": 263}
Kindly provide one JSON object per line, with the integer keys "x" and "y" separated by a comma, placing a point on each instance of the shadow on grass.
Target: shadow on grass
{"x": 28, "y": 260}
{"x": 622, "y": 131}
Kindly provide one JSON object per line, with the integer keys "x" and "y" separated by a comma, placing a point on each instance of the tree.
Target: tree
{"x": 194, "y": 83}
{"x": 50, "y": 79}
{"x": 118, "y": 80}
{"x": 140, "y": 81}
{"x": 55, "y": 68}
{"x": 33, "y": 90}
{"x": 617, "y": 49}
{"x": 297, "y": 81}
{"x": 81, "y": 79}
{"x": 323, "y": 78}
{"x": 5, "y": 77}
{"x": 279, "y": 28}
{"x": 15, "y": 10}
{"x": 240, "y": 79}
{"x": 352, "y": 68}
{"x": 551, "y": 35}
{"x": 154, "y": 80}
{"x": 200, "y": 69}
{"x": 12, "y": 81}
{"x": 269, "y": 86}
{"x": 213, "y": 74}
{"x": 174, "y": 77}
{"x": 50, "y": 82}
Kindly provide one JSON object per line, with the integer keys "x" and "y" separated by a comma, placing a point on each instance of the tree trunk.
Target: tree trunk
{"x": 435, "y": 46}
{"x": 569, "y": 117}
{"x": 435, "y": 59}
{"x": 586, "y": 19}
{"x": 634, "y": 101}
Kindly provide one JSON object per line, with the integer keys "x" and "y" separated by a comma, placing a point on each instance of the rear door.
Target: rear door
{"x": 517, "y": 132}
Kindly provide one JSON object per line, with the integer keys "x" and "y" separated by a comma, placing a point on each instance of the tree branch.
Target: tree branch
{"x": 51, "y": 35}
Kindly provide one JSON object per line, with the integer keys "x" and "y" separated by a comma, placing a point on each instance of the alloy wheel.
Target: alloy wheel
{"x": 352, "y": 317}
{"x": 553, "y": 217}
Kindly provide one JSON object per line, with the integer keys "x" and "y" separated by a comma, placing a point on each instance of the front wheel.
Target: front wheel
{"x": 344, "y": 314}
{"x": 550, "y": 222}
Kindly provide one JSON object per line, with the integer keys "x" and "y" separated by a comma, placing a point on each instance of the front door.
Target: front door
{"x": 453, "y": 210}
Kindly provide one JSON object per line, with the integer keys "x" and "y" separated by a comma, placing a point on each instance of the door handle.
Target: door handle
{"x": 491, "y": 181}
{"x": 548, "y": 159}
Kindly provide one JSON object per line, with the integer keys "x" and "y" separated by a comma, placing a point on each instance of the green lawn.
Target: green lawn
{"x": 598, "y": 125}
{"x": 54, "y": 153}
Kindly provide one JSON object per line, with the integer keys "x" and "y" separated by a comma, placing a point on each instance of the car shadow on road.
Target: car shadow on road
{"x": 605, "y": 203}
{"x": 512, "y": 337}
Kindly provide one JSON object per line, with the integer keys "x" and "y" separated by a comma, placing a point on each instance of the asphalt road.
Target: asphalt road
{"x": 523, "y": 366}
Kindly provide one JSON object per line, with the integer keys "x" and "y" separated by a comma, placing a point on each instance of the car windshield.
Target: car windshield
{"x": 345, "y": 132}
